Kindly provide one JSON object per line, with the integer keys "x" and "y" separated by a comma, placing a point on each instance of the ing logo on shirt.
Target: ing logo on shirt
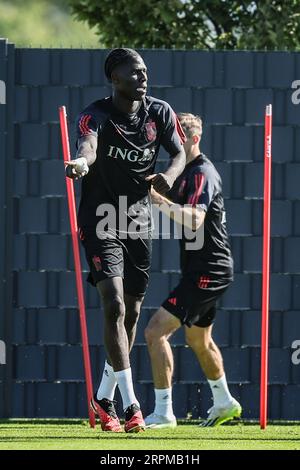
{"x": 132, "y": 155}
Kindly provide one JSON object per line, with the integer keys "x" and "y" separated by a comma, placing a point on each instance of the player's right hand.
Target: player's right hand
{"x": 161, "y": 182}
{"x": 76, "y": 168}
{"x": 156, "y": 198}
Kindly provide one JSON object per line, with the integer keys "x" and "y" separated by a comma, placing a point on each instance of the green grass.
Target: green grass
{"x": 76, "y": 434}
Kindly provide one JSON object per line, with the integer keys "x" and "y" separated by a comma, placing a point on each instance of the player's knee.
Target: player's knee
{"x": 132, "y": 317}
{"x": 152, "y": 334}
{"x": 197, "y": 343}
{"x": 149, "y": 335}
{"x": 114, "y": 309}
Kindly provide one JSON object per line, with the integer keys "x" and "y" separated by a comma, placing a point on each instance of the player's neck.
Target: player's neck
{"x": 192, "y": 155}
{"x": 124, "y": 105}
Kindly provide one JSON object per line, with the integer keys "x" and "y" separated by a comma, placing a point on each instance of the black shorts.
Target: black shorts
{"x": 127, "y": 258}
{"x": 194, "y": 299}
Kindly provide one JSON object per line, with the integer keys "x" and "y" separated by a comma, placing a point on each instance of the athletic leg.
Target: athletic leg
{"x": 133, "y": 306}
{"x": 115, "y": 336}
{"x": 206, "y": 351}
{"x": 225, "y": 407}
{"x": 117, "y": 348}
{"x": 161, "y": 326}
{"x": 132, "y": 311}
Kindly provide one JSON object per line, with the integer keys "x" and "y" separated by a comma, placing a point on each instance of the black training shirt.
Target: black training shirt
{"x": 128, "y": 146}
{"x": 200, "y": 185}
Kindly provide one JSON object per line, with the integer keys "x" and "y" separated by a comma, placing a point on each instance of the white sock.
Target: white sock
{"x": 163, "y": 401}
{"x": 124, "y": 380}
{"x": 108, "y": 383}
{"x": 220, "y": 391}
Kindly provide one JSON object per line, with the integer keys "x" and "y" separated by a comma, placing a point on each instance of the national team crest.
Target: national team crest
{"x": 151, "y": 130}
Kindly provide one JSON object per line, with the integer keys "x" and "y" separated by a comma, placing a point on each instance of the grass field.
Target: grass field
{"x": 76, "y": 434}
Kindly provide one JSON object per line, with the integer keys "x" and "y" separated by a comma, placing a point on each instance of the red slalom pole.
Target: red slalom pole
{"x": 266, "y": 269}
{"x": 77, "y": 262}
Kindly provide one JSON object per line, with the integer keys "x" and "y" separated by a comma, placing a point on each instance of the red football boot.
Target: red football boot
{"x": 105, "y": 410}
{"x": 134, "y": 421}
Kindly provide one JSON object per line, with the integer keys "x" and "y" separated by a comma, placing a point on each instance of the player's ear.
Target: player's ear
{"x": 114, "y": 78}
{"x": 196, "y": 139}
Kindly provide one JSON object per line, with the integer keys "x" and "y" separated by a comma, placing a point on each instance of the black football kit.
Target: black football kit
{"x": 206, "y": 271}
{"x": 128, "y": 146}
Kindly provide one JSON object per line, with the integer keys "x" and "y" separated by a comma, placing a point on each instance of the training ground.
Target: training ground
{"x": 41, "y": 366}
{"x": 77, "y": 435}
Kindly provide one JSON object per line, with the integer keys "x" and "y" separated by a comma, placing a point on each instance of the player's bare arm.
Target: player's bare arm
{"x": 163, "y": 182}
{"x": 85, "y": 157}
{"x": 190, "y": 217}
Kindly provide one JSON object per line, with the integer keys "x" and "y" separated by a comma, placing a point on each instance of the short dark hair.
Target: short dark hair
{"x": 117, "y": 57}
{"x": 190, "y": 123}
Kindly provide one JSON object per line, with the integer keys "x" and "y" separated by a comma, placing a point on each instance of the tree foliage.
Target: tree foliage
{"x": 43, "y": 23}
{"x": 193, "y": 23}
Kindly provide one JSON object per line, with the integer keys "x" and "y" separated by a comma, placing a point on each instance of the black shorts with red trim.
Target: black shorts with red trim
{"x": 194, "y": 299}
{"x": 113, "y": 256}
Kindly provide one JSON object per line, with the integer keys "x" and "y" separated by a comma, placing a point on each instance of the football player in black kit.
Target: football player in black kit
{"x": 118, "y": 140}
{"x": 207, "y": 272}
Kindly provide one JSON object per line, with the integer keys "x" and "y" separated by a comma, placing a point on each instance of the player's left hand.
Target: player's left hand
{"x": 161, "y": 183}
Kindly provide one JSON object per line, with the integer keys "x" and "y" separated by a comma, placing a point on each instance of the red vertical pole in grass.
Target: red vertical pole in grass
{"x": 266, "y": 269}
{"x": 77, "y": 262}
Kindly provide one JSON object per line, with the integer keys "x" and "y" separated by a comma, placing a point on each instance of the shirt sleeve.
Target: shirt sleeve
{"x": 173, "y": 136}
{"x": 201, "y": 189}
{"x": 86, "y": 124}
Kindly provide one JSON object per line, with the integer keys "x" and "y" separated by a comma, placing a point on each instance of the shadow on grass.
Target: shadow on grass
{"x": 84, "y": 422}
{"x": 146, "y": 437}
